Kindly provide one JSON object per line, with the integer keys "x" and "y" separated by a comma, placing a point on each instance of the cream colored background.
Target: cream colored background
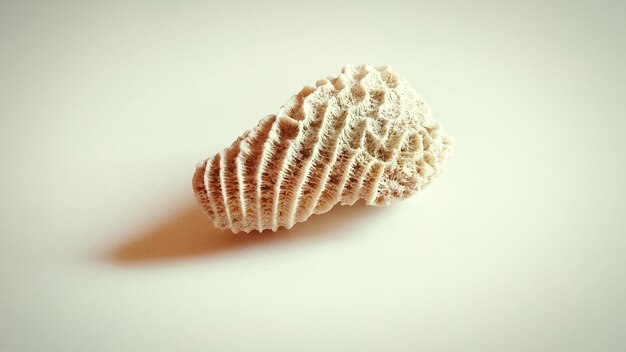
{"x": 106, "y": 108}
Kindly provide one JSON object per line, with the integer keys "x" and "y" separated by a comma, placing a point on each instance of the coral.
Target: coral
{"x": 364, "y": 134}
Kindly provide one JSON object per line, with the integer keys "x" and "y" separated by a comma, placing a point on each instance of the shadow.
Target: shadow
{"x": 190, "y": 233}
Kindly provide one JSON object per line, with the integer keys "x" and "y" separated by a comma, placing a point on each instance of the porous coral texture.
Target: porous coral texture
{"x": 364, "y": 134}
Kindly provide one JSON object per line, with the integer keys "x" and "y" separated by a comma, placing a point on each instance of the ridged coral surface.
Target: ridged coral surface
{"x": 364, "y": 134}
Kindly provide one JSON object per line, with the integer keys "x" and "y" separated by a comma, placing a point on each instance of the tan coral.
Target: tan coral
{"x": 365, "y": 134}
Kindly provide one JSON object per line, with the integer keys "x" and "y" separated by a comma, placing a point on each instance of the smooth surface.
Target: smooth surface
{"x": 106, "y": 108}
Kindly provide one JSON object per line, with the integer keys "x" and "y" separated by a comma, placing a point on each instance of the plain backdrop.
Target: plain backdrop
{"x": 106, "y": 107}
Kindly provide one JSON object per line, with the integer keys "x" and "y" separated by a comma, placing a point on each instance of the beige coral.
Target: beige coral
{"x": 364, "y": 134}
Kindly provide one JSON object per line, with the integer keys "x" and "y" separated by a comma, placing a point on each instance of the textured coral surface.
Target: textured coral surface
{"x": 364, "y": 134}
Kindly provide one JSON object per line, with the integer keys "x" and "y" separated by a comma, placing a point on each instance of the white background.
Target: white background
{"x": 106, "y": 108}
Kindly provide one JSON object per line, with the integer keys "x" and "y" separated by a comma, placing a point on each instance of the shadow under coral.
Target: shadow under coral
{"x": 189, "y": 233}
